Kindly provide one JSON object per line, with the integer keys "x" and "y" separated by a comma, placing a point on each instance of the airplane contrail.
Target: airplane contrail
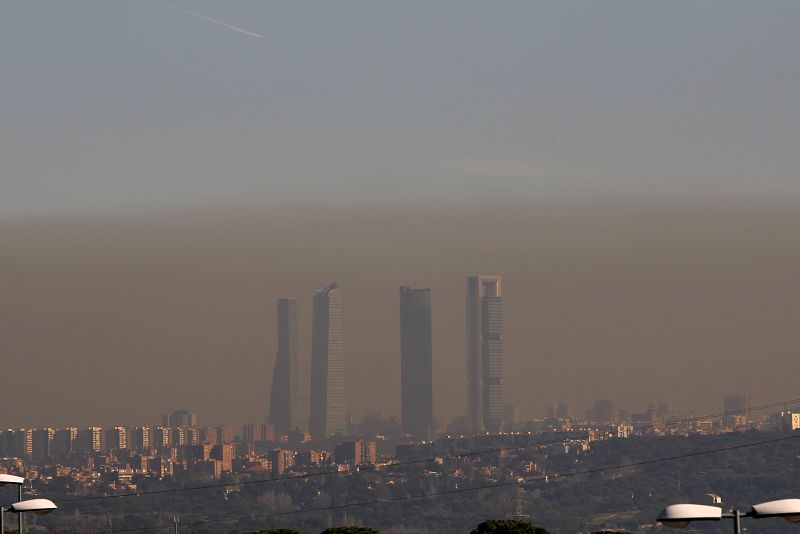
{"x": 212, "y": 20}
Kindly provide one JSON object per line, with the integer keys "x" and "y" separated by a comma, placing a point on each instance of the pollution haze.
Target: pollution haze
{"x": 169, "y": 169}
{"x": 108, "y": 321}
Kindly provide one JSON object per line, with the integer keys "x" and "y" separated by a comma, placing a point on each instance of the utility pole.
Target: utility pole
{"x": 177, "y": 521}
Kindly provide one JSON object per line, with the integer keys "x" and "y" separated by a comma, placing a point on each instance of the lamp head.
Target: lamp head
{"x": 680, "y": 515}
{"x": 789, "y": 509}
{"x": 11, "y": 479}
{"x": 39, "y": 506}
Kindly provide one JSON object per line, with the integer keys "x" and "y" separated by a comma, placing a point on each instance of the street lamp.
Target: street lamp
{"x": 680, "y": 515}
{"x": 11, "y": 480}
{"x": 37, "y": 506}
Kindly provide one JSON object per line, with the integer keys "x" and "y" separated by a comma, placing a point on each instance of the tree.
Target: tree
{"x": 275, "y": 531}
{"x": 507, "y": 526}
{"x": 350, "y": 530}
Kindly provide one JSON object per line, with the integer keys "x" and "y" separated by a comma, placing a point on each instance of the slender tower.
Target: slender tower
{"x": 288, "y": 408}
{"x": 485, "y": 403}
{"x": 416, "y": 361}
{"x": 327, "y": 364}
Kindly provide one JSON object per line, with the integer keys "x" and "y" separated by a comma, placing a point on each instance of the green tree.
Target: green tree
{"x": 507, "y": 526}
{"x": 350, "y": 530}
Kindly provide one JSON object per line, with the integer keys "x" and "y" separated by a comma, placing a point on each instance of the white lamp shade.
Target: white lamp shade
{"x": 786, "y": 508}
{"x": 679, "y": 515}
{"x": 34, "y": 505}
{"x": 11, "y": 479}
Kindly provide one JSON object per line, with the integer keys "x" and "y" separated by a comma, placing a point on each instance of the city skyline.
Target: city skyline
{"x": 190, "y": 186}
{"x": 109, "y": 464}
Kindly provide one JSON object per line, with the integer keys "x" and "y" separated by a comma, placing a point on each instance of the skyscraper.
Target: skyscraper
{"x": 327, "y": 364}
{"x": 485, "y": 404}
{"x": 288, "y": 407}
{"x": 737, "y": 410}
{"x": 183, "y": 418}
{"x": 416, "y": 361}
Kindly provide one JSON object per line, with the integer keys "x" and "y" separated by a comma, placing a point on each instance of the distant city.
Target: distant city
{"x": 307, "y": 426}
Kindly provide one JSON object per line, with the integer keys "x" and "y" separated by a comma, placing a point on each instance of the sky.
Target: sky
{"x": 168, "y": 169}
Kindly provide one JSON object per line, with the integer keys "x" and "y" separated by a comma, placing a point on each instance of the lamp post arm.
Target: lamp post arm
{"x": 736, "y": 515}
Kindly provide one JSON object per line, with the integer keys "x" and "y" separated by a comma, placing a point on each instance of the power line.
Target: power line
{"x": 482, "y": 487}
{"x": 734, "y": 412}
{"x": 298, "y": 476}
{"x": 392, "y": 465}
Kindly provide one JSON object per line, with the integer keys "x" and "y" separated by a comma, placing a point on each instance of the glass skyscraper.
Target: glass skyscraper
{"x": 288, "y": 408}
{"x": 328, "y": 416}
{"x": 416, "y": 361}
{"x": 485, "y": 403}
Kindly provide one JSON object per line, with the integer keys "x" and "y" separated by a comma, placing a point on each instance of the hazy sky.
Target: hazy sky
{"x": 630, "y": 168}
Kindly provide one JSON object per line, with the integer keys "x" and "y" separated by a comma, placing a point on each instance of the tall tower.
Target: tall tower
{"x": 327, "y": 364}
{"x": 416, "y": 361}
{"x": 288, "y": 407}
{"x": 485, "y": 402}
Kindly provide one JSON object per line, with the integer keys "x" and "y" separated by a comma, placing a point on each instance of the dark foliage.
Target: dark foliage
{"x": 349, "y": 530}
{"x": 507, "y": 526}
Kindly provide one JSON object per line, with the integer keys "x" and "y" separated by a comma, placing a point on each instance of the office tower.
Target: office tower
{"x": 268, "y": 430}
{"x": 288, "y": 406}
{"x": 43, "y": 443}
{"x": 178, "y": 435}
{"x": 664, "y": 410}
{"x": 251, "y": 432}
{"x": 23, "y": 443}
{"x": 162, "y": 437}
{"x": 255, "y": 432}
{"x": 603, "y": 411}
{"x": 202, "y": 451}
{"x": 117, "y": 438}
{"x": 416, "y": 361}
{"x": 563, "y": 411}
{"x": 327, "y": 415}
{"x": 209, "y": 435}
{"x": 93, "y": 439}
{"x": 65, "y": 442}
{"x": 510, "y": 415}
{"x": 142, "y": 438}
{"x": 280, "y": 460}
{"x": 485, "y": 404}
{"x": 8, "y": 446}
{"x": 224, "y": 453}
{"x": 737, "y": 410}
{"x": 356, "y": 452}
{"x": 178, "y": 418}
{"x": 225, "y": 434}
{"x": 193, "y": 435}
